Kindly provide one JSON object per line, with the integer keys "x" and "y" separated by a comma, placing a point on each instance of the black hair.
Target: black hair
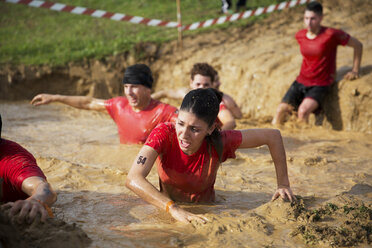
{"x": 1, "y": 124}
{"x": 315, "y": 7}
{"x": 205, "y": 104}
{"x": 138, "y": 74}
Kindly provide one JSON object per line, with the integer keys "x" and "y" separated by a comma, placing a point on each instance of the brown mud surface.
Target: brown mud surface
{"x": 53, "y": 233}
{"x": 329, "y": 160}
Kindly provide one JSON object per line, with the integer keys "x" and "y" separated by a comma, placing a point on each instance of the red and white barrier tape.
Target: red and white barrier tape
{"x": 94, "y": 13}
{"x": 246, "y": 14}
{"x": 155, "y": 22}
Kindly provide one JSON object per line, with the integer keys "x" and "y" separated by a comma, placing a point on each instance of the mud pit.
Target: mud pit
{"x": 80, "y": 153}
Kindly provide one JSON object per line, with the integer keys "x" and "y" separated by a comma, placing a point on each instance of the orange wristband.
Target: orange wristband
{"x": 169, "y": 204}
{"x": 47, "y": 208}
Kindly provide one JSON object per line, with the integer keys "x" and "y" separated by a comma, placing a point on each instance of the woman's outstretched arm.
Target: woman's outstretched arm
{"x": 273, "y": 139}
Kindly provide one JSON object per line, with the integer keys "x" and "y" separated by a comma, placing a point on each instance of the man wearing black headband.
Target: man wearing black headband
{"x": 135, "y": 115}
{"x": 23, "y": 185}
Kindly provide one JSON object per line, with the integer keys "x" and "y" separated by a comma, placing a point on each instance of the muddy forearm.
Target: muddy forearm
{"x": 278, "y": 155}
{"x": 358, "y": 50}
{"x": 158, "y": 95}
{"x": 147, "y": 191}
{"x": 80, "y": 102}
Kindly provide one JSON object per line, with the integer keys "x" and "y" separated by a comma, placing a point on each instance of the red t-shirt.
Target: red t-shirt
{"x": 16, "y": 164}
{"x": 319, "y": 56}
{"x": 189, "y": 178}
{"x": 134, "y": 127}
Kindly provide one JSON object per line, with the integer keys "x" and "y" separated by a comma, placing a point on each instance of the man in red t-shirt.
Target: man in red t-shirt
{"x": 23, "y": 186}
{"x": 318, "y": 46}
{"x": 204, "y": 76}
{"x": 135, "y": 115}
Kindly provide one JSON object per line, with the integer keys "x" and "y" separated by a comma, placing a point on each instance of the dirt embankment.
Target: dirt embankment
{"x": 256, "y": 63}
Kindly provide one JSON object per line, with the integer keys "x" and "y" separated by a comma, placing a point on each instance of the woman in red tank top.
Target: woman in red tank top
{"x": 189, "y": 154}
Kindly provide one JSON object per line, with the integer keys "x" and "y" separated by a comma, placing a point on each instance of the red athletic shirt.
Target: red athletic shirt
{"x": 319, "y": 56}
{"x": 16, "y": 164}
{"x": 191, "y": 178}
{"x": 134, "y": 127}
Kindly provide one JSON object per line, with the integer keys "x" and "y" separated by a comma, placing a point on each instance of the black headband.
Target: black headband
{"x": 138, "y": 74}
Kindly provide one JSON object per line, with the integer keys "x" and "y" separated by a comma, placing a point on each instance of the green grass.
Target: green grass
{"x": 35, "y": 36}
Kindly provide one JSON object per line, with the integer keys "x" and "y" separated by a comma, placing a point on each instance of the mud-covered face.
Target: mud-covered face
{"x": 138, "y": 96}
{"x": 191, "y": 132}
{"x": 201, "y": 81}
{"x": 312, "y": 21}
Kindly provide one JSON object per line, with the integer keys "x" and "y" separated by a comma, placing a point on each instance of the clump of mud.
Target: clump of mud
{"x": 283, "y": 211}
{"x": 218, "y": 225}
{"x": 53, "y": 233}
{"x": 343, "y": 221}
{"x": 225, "y": 229}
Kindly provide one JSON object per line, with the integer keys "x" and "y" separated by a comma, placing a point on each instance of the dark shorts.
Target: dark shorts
{"x": 298, "y": 92}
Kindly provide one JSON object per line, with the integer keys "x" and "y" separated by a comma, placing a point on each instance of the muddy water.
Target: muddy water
{"x": 80, "y": 154}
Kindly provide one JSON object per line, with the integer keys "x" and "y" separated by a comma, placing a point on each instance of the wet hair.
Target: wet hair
{"x": 138, "y": 74}
{"x": 203, "y": 69}
{"x": 205, "y": 105}
{"x": 315, "y": 7}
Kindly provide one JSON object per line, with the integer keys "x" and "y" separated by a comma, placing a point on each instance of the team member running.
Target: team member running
{"x": 23, "y": 186}
{"x": 135, "y": 115}
{"x": 318, "y": 45}
{"x": 190, "y": 152}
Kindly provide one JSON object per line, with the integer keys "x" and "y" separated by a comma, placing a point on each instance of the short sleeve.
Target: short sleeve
{"x": 17, "y": 165}
{"x": 341, "y": 37}
{"x": 231, "y": 140}
{"x": 30, "y": 170}
{"x": 110, "y": 104}
{"x": 171, "y": 114}
{"x": 159, "y": 137}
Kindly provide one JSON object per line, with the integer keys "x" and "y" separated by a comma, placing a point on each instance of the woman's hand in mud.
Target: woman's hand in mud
{"x": 185, "y": 216}
{"x": 27, "y": 210}
{"x": 285, "y": 193}
{"x": 42, "y": 99}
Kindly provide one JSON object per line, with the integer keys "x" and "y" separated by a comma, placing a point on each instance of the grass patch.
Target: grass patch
{"x": 35, "y": 36}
